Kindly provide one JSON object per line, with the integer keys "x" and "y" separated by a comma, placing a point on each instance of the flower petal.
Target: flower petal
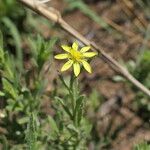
{"x": 76, "y": 68}
{"x": 89, "y": 54}
{"x": 67, "y": 65}
{"x": 87, "y": 66}
{"x": 75, "y": 46}
{"x": 61, "y": 56}
{"x": 85, "y": 49}
{"x": 66, "y": 48}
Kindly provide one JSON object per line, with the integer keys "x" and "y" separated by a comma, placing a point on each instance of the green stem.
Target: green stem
{"x": 74, "y": 88}
{"x": 71, "y": 92}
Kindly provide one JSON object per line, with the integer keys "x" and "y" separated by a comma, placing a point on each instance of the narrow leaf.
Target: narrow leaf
{"x": 53, "y": 125}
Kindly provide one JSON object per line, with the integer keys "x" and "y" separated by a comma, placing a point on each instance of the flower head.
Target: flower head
{"x": 76, "y": 58}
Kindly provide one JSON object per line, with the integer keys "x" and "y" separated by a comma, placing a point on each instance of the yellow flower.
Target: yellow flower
{"x": 76, "y": 58}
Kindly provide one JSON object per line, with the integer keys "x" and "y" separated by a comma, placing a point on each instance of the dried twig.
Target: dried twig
{"x": 55, "y": 16}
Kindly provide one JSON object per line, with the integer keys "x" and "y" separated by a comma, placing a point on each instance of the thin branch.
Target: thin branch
{"x": 55, "y": 16}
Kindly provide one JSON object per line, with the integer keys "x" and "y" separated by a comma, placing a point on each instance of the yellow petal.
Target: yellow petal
{"x": 61, "y": 56}
{"x": 67, "y": 65}
{"x": 85, "y": 49}
{"x": 66, "y": 48}
{"x": 89, "y": 54}
{"x": 87, "y": 66}
{"x": 76, "y": 68}
{"x": 75, "y": 46}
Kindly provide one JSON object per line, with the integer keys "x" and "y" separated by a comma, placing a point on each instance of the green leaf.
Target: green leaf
{"x": 4, "y": 142}
{"x": 17, "y": 39}
{"x": 2, "y": 94}
{"x": 23, "y": 120}
{"x": 2, "y": 59}
{"x": 86, "y": 126}
{"x": 9, "y": 68}
{"x": 31, "y": 133}
{"x": 1, "y": 40}
{"x": 13, "y": 31}
{"x": 53, "y": 125}
{"x": 79, "y": 108}
{"x": 63, "y": 82}
{"x": 64, "y": 106}
{"x": 9, "y": 88}
{"x": 41, "y": 50}
{"x": 1, "y": 49}
{"x": 73, "y": 128}
{"x": 51, "y": 43}
{"x": 142, "y": 146}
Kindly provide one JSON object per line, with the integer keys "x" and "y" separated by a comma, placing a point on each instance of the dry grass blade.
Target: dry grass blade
{"x": 55, "y": 16}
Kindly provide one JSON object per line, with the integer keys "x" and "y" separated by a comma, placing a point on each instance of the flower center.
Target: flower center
{"x": 75, "y": 55}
